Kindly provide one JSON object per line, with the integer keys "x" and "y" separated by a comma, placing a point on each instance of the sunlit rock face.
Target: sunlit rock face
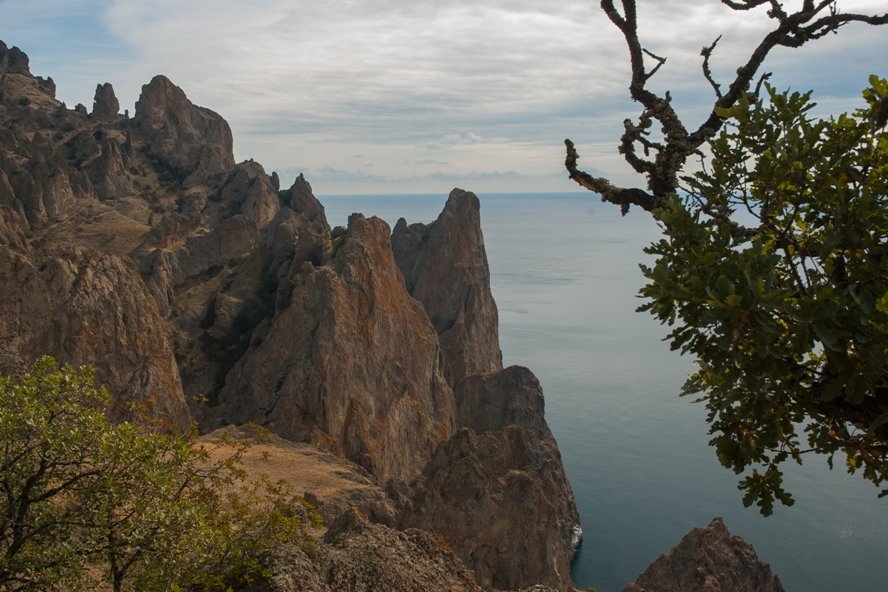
{"x": 351, "y": 362}
{"x": 89, "y": 308}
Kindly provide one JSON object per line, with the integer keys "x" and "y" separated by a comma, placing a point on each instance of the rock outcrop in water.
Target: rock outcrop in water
{"x": 708, "y": 560}
{"x": 203, "y": 292}
{"x": 502, "y": 463}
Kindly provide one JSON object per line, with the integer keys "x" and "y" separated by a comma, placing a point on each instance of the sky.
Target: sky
{"x": 420, "y": 96}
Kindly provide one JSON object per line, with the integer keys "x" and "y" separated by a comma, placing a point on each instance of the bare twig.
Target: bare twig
{"x": 660, "y": 61}
{"x": 706, "y": 52}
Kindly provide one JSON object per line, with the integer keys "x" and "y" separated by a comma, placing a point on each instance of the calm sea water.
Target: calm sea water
{"x": 565, "y": 276}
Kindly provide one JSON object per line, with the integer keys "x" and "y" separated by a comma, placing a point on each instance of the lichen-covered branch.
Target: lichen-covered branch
{"x": 661, "y": 162}
{"x": 609, "y": 192}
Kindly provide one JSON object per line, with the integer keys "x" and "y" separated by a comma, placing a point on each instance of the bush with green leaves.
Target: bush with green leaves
{"x": 773, "y": 272}
{"x": 84, "y": 499}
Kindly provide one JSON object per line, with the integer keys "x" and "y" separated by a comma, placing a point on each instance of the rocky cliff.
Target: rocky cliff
{"x": 204, "y": 293}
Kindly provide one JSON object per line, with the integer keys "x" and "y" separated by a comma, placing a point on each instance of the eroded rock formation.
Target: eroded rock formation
{"x": 445, "y": 267}
{"x": 193, "y": 142}
{"x": 202, "y": 291}
{"x": 89, "y": 308}
{"x": 350, "y": 362}
{"x": 503, "y": 463}
{"x": 105, "y": 104}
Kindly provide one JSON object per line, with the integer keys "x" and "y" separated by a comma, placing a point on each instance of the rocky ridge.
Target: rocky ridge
{"x": 204, "y": 293}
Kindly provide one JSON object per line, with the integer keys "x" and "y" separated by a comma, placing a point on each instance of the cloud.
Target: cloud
{"x": 315, "y": 82}
{"x": 449, "y": 140}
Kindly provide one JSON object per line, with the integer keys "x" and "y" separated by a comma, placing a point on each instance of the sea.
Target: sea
{"x": 565, "y": 276}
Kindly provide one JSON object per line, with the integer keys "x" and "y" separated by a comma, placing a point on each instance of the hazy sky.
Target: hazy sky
{"x": 393, "y": 96}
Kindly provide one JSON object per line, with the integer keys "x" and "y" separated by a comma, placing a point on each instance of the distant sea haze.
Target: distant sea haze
{"x": 565, "y": 276}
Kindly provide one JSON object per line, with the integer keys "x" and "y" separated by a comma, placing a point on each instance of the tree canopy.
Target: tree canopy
{"x": 773, "y": 265}
{"x": 83, "y": 501}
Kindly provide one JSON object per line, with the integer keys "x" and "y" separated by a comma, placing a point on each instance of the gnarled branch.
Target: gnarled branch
{"x": 609, "y": 192}
{"x": 663, "y": 161}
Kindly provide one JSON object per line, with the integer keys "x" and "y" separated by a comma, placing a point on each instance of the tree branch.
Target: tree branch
{"x": 706, "y": 52}
{"x": 664, "y": 160}
{"x": 620, "y": 196}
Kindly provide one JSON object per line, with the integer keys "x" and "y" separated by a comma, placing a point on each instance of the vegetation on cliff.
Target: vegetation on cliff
{"x": 88, "y": 503}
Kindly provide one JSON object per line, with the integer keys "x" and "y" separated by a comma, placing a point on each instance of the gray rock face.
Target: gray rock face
{"x": 501, "y": 500}
{"x": 105, "y": 104}
{"x": 445, "y": 267}
{"x": 708, "y": 560}
{"x": 492, "y": 402}
{"x": 470, "y": 491}
{"x": 48, "y": 188}
{"x": 194, "y": 142}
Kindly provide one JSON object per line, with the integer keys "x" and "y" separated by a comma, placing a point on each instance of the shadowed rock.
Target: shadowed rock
{"x": 503, "y": 464}
{"x": 109, "y": 173}
{"x": 13, "y": 60}
{"x": 488, "y": 498}
{"x": 357, "y": 556}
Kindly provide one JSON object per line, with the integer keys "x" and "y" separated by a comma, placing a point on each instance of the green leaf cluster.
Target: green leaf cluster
{"x": 84, "y": 503}
{"x": 773, "y": 274}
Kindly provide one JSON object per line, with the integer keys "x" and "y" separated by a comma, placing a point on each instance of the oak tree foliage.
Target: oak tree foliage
{"x": 773, "y": 266}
